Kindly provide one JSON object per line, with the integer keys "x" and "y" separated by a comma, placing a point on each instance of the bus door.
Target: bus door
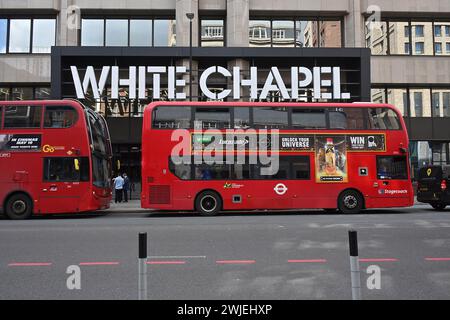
{"x": 62, "y": 184}
{"x": 391, "y": 179}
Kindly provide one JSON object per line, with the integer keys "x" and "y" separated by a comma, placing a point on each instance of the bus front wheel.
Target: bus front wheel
{"x": 208, "y": 203}
{"x": 350, "y": 202}
{"x": 18, "y": 207}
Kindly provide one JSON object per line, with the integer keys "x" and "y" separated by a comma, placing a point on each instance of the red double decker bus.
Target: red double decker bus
{"x": 55, "y": 157}
{"x": 217, "y": 156}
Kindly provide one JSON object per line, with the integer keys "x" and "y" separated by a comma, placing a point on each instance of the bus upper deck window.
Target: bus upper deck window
{"x": 59, "y": 117}
{"x": 383, "y": 119}
{"x": 23, "y": 117}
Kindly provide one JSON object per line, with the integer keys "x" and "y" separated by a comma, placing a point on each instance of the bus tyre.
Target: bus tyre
{"x": 350, "y": 202}
{"x": 18, "y": 207}
{"x": 208, "y": 203}
{"x": 438, "y": 206}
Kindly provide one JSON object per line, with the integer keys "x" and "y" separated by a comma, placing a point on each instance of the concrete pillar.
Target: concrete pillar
{"x": 354, "y": 25}
{"x": 195, "y": 78}
{"x": 69, "y": 22}
{"x": 183, "y": 7}
{"x": 244, "y": 66}
{"x": 237, "y": 23}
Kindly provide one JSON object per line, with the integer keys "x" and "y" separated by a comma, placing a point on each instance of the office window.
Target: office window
{"x": 44, "y": 31}
{"x": 164, "y": 33}
{"x": 438, "y": 48}
{"x": 212, "y": 33}
{"x": 3, "y": 33}
{"x": 440, "y": 101}
{"x": 398, "y": 98}
{"x": 435, "y": 103}
{"x": 446, "y": 103}
{"x": 398, "y": 37}
{"x": 92, "y": 32}
{"x": 419, "y": 48}
{"x": 420, "y": 102}
{"x": 447, "y": 31}
{"x": 22, "y": 93}
{"x": 447, "y": 47}
{"x": 437, "y": 30}
{"x": 283, "y": 33}
{"x": 306, "y": 33}
{"x": 116, "y": 32}
{"x": 419, "y": 31}
{"x": 259, "y": 33}
{"x": 140, "y": 33}
{"x": 19, "y": 35}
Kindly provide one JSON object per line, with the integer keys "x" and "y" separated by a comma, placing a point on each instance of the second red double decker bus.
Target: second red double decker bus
{"x": 217, "y": 156}
{"x": 55, "y": 157}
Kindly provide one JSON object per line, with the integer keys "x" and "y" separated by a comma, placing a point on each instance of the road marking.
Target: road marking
{"x": 378, "y": 260}
{"x": 103, "y": 263}
{"x": 166, "y": 262}
{"x": 307, "y": 261}
{"x": 30, "y": 264}
{"x": 177, "y": 257}
{"x": 235, "y": 261}
{"x": 437, "y": 259}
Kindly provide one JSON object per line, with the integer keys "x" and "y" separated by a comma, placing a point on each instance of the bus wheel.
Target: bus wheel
{"x": 208, "y": 203}
{"x": 18, "y": 207}
{"x": 350, "y": 202}
{"x": 438, "y": 206}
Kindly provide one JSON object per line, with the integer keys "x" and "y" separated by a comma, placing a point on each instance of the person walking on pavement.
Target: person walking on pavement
{"x": 126, "y": 186}
{"x": 118, "y": 188}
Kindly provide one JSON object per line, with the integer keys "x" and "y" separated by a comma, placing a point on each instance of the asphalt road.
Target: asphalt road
{"x": 301, "y": 255}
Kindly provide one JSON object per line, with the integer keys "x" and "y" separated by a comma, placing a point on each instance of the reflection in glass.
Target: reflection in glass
{"x": 92, "y": 32}
{"x": 140, "y": 33}
{"x": 307, "y": 34}
{"x": 378, "y": 95}
{"x": 42, "y": 93}
{"x": 4, "y": 94}
{"x": 3, "y": 30}
{"x": 212, "y": 33}
{"x": 259, "y": 33}
{"x": 283, "y": 33}
{"x": 19, "y": 35}
{"x": 399, "y": 37}
{"x": 116, "y": 33}
{"x": 399, "y": 99}
{"x": 330, "y": 34}
{"x": 422, "y": 38}
{"x": 164, "y": 34}
{"x": 43, "y": 35}
{"x": 376, "y": 37}
{"x": 22, "y": 93}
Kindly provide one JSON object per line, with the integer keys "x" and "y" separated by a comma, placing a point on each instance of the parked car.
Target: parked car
{"x": 434, "y": 186}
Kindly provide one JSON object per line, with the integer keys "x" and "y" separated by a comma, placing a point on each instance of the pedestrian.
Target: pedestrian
{"x": 126, "y": 186}
{"x": 118, "y": 188}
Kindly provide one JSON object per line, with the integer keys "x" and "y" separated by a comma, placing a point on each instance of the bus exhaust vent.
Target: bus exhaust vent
{"x": 159, "y": 195}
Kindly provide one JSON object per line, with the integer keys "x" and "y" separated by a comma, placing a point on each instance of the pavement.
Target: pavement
{"x": 265, "y": 255}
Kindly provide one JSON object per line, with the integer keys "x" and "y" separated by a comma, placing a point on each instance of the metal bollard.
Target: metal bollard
{"x": 142, "y": 261}
{"x": 354, "y": 265}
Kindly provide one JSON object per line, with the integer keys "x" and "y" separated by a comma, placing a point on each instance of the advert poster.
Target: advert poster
{"x": 331, "y": 158}
{"x": 20, "y": 142}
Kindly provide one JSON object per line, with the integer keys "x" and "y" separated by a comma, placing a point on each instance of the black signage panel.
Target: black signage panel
{"x": 20, "y": 142}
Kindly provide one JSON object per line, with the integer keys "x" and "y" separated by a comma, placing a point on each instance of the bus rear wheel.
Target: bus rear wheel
{"x": 350, "y": 202}
{"x": 18, "y": 207}
{"x": 439, "y": 206}
{"x": 208, "y": 203}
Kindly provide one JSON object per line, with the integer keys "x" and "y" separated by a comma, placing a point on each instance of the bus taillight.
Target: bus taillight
{"x": 443, "y": 185}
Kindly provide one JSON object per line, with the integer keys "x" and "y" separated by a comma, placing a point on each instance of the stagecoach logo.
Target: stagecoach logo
{"x": 229, "y": 185}
{"x": 392, "y": 192}
{"x": 325, "y": 82}
{"x": 280, "y": 189}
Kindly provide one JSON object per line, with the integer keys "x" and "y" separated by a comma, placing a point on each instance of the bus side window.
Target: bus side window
{"x": 64, "y": 169}
{"x": 23, "y": 117}
{"x": 392, "y": 167}
{"x": 383, "y": 119}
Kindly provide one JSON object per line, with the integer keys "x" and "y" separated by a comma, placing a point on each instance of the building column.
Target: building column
{"x": 182, "y": 26}
{"x": 237, "y": 23}
{"x": 68, "y": 24}
{"x": 354, "y": 25}
{"x": 244, "y": 66}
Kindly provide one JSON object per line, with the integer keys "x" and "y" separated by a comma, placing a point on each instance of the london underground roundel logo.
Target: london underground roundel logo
{"x": 280, "y": 189}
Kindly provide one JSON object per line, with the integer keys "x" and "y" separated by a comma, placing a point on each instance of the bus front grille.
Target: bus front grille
{"x": 159, "y": 194}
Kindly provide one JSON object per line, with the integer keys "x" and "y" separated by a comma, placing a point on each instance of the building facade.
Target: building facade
{"x": 387, "y": 51}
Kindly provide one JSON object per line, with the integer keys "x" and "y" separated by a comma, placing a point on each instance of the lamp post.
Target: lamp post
{"x": 190, "y": 16}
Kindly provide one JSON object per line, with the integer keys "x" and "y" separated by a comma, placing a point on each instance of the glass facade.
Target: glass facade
{"x": 408, "y": 37}
{"x": 316, "y": 32}
{"x": 212, "y": 33}
{"x": 24, "y": 93}
{"x": 134, "y": 32}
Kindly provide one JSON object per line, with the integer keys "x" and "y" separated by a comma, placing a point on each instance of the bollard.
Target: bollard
{"x": 142, "y": 261}
{"x": 354, "y": 265}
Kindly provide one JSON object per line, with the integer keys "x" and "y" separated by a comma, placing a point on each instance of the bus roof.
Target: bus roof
{"x": 72, "y": 102}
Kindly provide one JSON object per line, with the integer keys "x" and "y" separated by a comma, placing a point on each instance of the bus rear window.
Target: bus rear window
{"x": 392, "y": 168}
{"x": 383, "y": 118}
{"x": 23, "y": 117}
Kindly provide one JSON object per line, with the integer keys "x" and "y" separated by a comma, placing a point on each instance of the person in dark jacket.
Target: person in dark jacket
{"x": 126, "y": 186}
